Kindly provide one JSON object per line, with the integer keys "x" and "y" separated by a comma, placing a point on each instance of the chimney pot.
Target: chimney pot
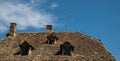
{"x": 49, "y": 28}
{"x": 12, "y": 29}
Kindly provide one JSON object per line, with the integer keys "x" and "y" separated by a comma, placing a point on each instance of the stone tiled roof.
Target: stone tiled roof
{"x": 85, "y": 47}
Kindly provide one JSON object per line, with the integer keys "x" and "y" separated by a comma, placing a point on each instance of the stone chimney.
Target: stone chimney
{"x": 49, "y": 28}
{"x": 12, "y": 31}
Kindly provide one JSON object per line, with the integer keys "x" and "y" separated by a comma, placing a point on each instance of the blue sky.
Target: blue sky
{"x": 97, "y": 18}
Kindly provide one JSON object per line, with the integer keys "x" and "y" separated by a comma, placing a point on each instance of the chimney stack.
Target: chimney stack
{"x": 12, "y": 29}
{"x": 49, "y": 28}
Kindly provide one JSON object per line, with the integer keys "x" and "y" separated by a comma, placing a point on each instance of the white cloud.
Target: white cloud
{"x": 2, "y": 28}
{"x": 24, "y": 14}
{"x": 54, "y": 5}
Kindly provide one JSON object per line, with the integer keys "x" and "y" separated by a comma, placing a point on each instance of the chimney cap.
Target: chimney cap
{"x": 12, "y": 23}
{"x": 48, "y": 26}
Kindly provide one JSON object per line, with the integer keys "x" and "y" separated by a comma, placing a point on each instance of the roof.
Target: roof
{"x": 85, "y": 47}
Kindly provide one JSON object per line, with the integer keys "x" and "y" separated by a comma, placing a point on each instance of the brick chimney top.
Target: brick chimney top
{"x": 12, "y": 31}
{"x": 49, "y": 28}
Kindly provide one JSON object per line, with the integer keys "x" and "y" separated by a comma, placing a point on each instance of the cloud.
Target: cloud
{"x": 24, "y": 13}
{"x": 3, "y": 28}
{"x": 54, "y": 5}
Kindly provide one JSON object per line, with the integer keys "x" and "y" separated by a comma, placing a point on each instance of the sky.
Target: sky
{"x": 97, "y": 18}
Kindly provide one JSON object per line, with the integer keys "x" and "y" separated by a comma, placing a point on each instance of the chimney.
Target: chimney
{"x": 49, "y": 28}
{"x": 12, "y": 31}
